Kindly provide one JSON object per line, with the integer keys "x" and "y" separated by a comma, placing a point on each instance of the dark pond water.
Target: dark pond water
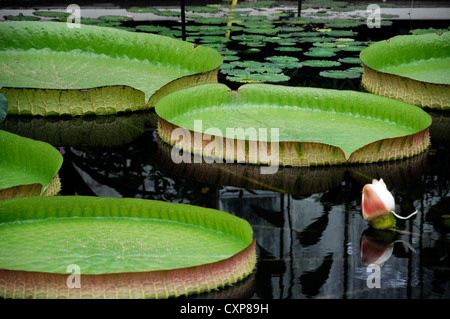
{"x": 307, "y": 221}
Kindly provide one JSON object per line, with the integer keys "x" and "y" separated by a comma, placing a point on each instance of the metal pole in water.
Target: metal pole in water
{"x": 183, "y": 21}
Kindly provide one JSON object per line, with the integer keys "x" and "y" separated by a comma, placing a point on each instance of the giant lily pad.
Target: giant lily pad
{"x": 27, "y": 167}
{"x": 50, "y": 69}
{"x": 411, "y": 68}
{"x": 315, "y": 126}
{"x": 122, "y": 247}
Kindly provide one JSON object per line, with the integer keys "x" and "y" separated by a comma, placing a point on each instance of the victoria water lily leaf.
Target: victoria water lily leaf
{"x": 412, "y": 68}
{"x": 49, "y": 69}
{"x": 309, "y": 126}
{"x": 124, "y": 248}
{"x": 27, "y": 167}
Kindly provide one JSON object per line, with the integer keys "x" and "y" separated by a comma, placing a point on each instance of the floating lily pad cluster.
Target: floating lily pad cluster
{"x": 142, "y": 243}
{"x": 324, "y": 34}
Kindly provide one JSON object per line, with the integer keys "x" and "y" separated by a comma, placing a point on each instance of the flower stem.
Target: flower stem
{"x": 401, "y": 217}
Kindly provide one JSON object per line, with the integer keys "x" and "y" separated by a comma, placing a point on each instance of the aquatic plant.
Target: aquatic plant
{"x": 109, "y": 239}
{"x": 51, "y": 14}
{"x": 141, "y": 10}
{"x": 284, "y": 61}
{"x": 203, "y": 9}
{"x": 320, "y": 53}
{"x": 115, "y": 18}
{"x": 28, "y": 167}
{"x": 320, "y": 63}
{"x": 259, "y": 77}
{"x": 99, "y": 69}
{"x": 21, "y": 17}
{"x": 339, "y": 74}
{"x": 411, "y": 68}
{"x": 343, "y": 23}
{"x": 289, "y": 49}
{"x": 351, "y": 60}
{"x": 312, "y": 130}
{"x": 378, "y": 205}
{"x": 429, "y": 30}
{"x": 152, "y": 28}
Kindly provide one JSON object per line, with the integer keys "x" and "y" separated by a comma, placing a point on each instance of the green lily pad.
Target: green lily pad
{"x": 230, "y": 58}
{"x": 320, "y": 63}
{"x": 213, "y": 20}
{"x": 49, "y": 69}
{"x": 340, "y": 74}
{"x": 167, "y": 13}
{"x": 203, "y": 9}
{"x": 289, "y": 49}
{"x": 122, "y": 247}
{"x": 51, "y": 14}
{"x": 353, "y": 48}
{"x": 27, "y": 167}
{"x": 320, "y": 53}
{"x": 344, "y": 23}
{"x": 289, "y": 62}
{"x": 152, "y": 28}
{"x": 259, "y": 77}
{"x": 412, "y": 68}
{"x": 141, "y": 10}
{"x": 115, "y": 18}
{"x": 350, "y": 60}
{"x": 358, "y": 69}
{"x": 315, "y": 126}
{"x": 429, "y": 30}
{"x": 21, "y": 17}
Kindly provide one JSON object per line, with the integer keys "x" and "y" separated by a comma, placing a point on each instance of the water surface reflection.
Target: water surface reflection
{"x": 309, "y": 230}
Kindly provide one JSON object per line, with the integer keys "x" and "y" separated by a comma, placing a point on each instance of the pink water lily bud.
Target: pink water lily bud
{"x": 377, "y": 201}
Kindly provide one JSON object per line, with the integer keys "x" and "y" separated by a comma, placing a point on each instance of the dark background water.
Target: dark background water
{"x": 307, "y": 221}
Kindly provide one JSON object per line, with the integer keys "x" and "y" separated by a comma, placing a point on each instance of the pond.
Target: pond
{"x": 311, "y": 239}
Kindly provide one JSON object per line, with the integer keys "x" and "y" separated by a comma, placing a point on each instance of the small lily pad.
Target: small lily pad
{"x": 21, "y": 17}
{"x": 350, "y": 60}
{"x": 51, "y": 14}
{"x": 338, "y": 74}
{"x": 320, "y": 63}
{"x": 141, "y": 10}
{"x": 115, "y": 18}
{"x": 320, "y": 53}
